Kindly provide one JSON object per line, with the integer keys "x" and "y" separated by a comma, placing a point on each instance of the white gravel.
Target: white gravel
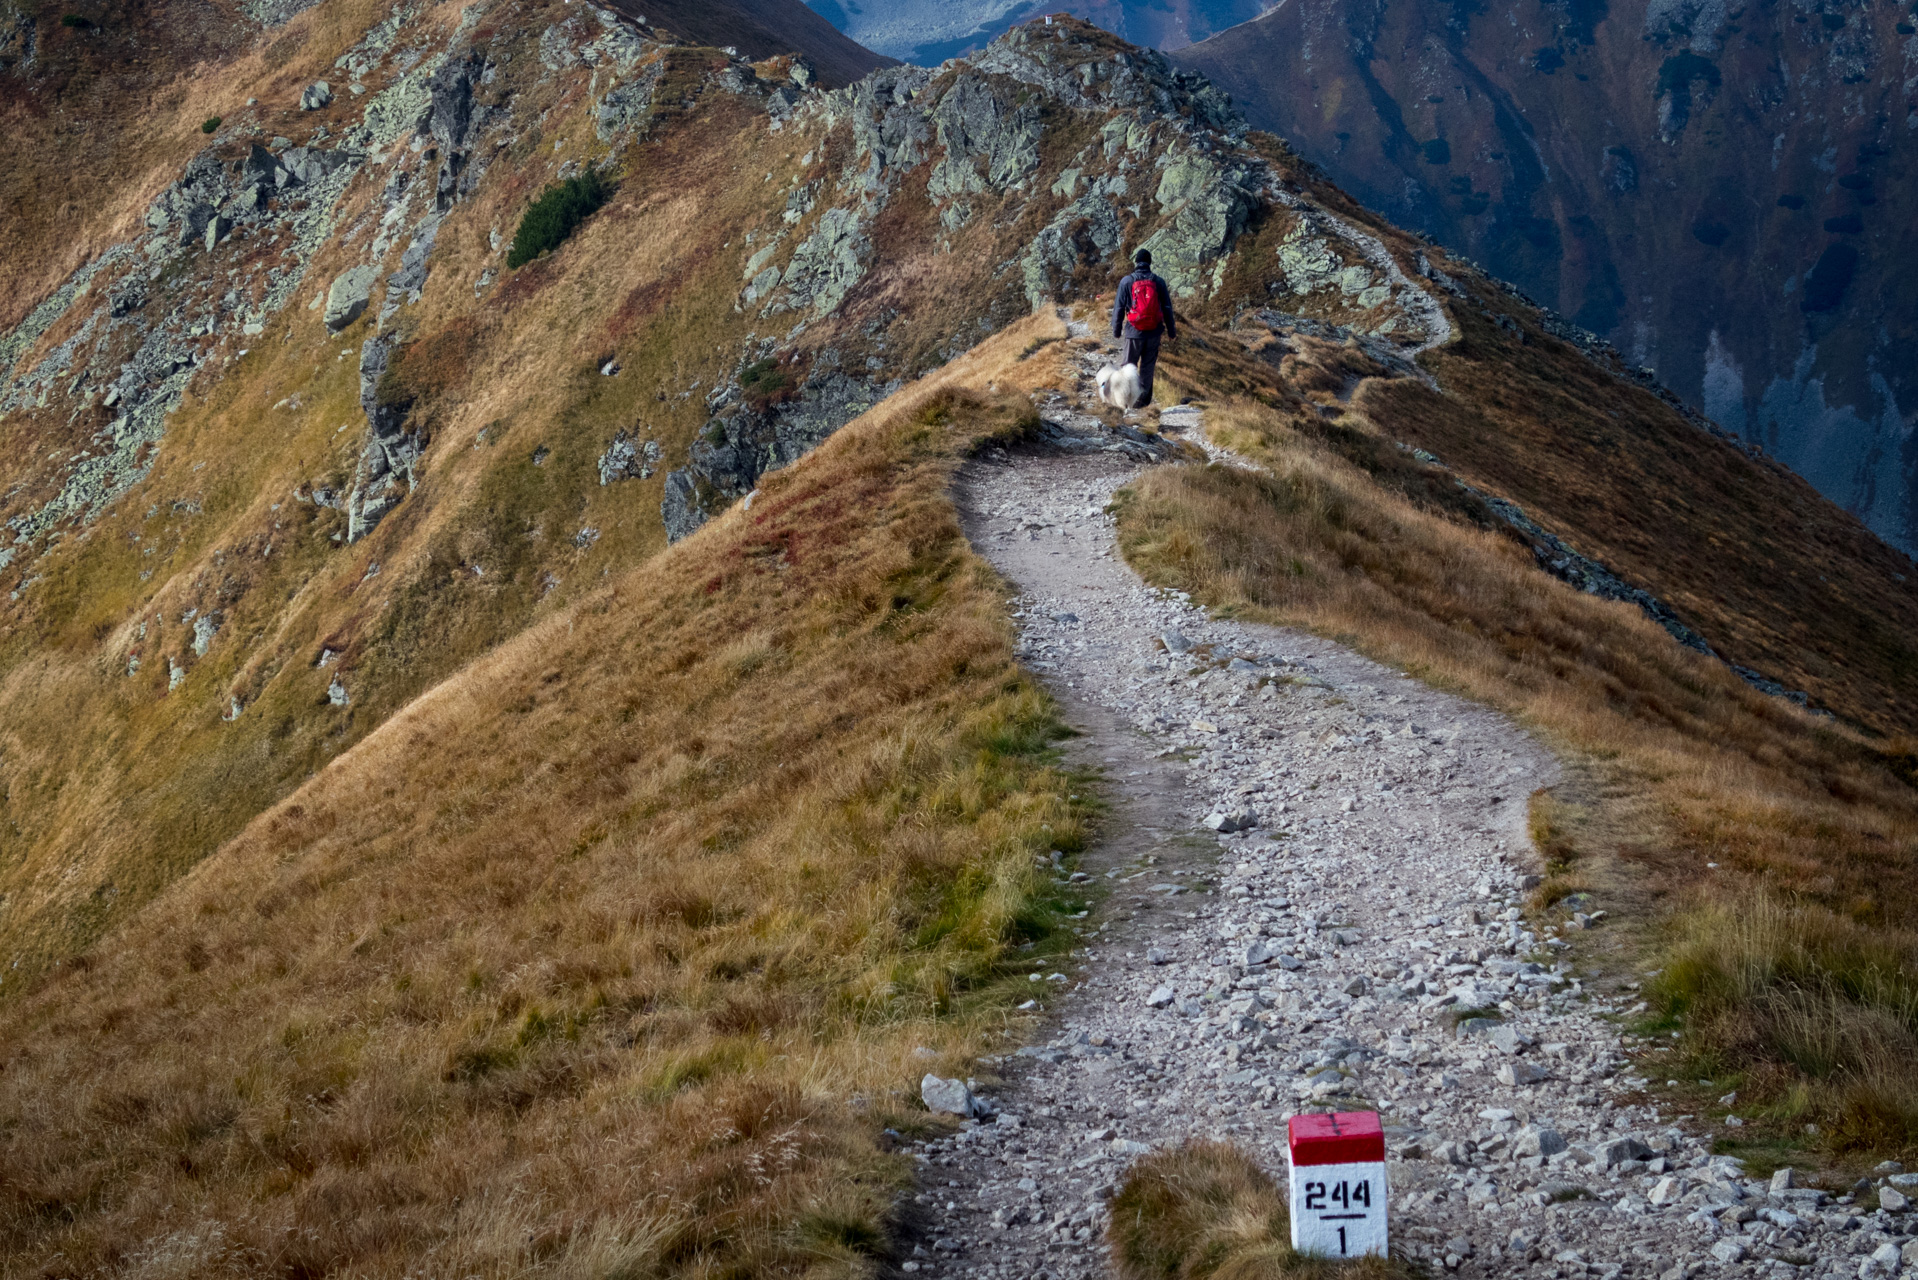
{"x": 1380, "y": 885}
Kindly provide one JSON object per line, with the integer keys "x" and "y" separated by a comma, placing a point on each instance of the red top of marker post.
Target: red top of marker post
{"x": 1345, "y": 1137}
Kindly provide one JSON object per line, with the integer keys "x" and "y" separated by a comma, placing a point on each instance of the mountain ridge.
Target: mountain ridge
{"x": 558, "y": 706}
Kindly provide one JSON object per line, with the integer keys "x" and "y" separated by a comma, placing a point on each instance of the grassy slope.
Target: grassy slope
{"x": 584, "y": 961}
{"x": 1792, "y": 957}
{"x": 1774, "y": 576}
{"x": 100, "y": 809}
{"x": 109, "y": 115}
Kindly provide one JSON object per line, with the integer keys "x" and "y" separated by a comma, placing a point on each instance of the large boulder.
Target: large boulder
{"x": 347, "y": 299}
{"x": 948, "y": 1097}
{"x": 316, "y": 95}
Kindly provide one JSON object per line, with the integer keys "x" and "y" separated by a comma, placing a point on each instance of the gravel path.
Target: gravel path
{"x": 1319, "y": 958}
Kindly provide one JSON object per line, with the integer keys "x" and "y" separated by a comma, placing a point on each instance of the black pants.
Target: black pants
{"x": 1142, "y": 349}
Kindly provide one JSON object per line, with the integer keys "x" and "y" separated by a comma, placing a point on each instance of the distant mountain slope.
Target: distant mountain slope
{"x": 1727, "y": 193}
{"x": 763, "y": 29}
{"x": 930, "y": 31}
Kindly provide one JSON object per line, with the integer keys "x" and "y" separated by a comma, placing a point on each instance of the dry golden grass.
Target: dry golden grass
{"x": 112, "y": 786}
{"x": 1676, "y": 763}
{"x": 1774, "y": 576}
{"x": 1206, "y": 1211}
{"x": 610, "y": 956}
{"x": 108, "y": 116}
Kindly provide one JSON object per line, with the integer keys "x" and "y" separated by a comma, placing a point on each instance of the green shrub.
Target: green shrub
{"x": 77, "y": 21}
{"x": 765, "y": 383}
{"x": 556, "y": 215}
{"x": 210, "y": 124}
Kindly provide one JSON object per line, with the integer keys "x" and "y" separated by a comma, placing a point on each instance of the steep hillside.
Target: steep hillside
{"x": 445, "y": 696}
{"x": 1721, "y": 191}
{"x": 606, "y": 957}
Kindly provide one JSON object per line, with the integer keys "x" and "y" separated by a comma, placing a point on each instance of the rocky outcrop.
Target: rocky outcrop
{"x": 386, "y": 466}
{"x": 1085, "y": 236}
{"x": 988, "y": 144}
{"x": 1594, "y": 579}
{"x": 449, "y": 120}
{"x": 160, "y": 318}
{"x": 628, "y": 458}
{"x": 741, "y": 443}
{"x": 1206, "y": 201}
{"x": 827, "y": 264}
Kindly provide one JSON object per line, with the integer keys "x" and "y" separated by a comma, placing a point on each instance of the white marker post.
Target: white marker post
{"x": 1338, "y": 1184}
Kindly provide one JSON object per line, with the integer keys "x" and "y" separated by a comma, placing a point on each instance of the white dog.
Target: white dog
{"x": 1119, "y": 387}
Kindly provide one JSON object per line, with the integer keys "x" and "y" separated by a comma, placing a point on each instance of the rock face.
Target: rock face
{"x": 741, "y": 443}
{"x": 385, "y": 472}
{"x": 628, "y": 458}
{"x": 1718, "y": 193}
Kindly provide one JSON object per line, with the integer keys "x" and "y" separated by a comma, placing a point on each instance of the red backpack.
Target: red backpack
{"x": 1143, "y": 315}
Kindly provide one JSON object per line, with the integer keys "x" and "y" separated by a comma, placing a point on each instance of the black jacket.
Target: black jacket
{"x": 1123, "y": 303}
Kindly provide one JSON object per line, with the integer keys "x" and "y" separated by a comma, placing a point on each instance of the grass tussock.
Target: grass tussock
{"x": 1206, "y": 1211}
{"x": 1789, "y": 839}
{"x": 611, "y": 955}
{"x": 1783, "y": 994}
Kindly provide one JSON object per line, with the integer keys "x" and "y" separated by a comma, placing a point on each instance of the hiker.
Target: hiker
{"x": 1142, "y": 315}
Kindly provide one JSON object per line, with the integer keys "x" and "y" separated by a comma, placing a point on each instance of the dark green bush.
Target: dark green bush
{"x": 210, "y": 124}
{"x": 75, "y": 20}
{"x": 765, "y": 383}
{"x": 1437, "y": 151}
{"x": 1829, "y": 278}
{"x": 556, "y": 215}
{"x": 1708, "y": 232}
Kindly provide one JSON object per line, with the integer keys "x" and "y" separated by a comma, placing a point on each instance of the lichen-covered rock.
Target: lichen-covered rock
{"x": 888, "y": 130}
{"x": 1307, "y": 260}
{"x": 628, "y": 457}
{"x": 988, "y": 144}
{"x": 205, "y": 627}
{"x": 347, "y": 297}
{"x": 1208, "y": 201}
{"x": 626, "y": 107}
{"x": 1085, "y": 236}
{"x": 827, "y": 264}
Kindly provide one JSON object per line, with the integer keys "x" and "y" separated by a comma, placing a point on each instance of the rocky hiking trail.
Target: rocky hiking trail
{"x": 1313, "y": 873}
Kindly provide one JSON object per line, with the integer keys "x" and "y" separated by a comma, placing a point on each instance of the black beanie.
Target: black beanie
{"x": 1143, "y": 258}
